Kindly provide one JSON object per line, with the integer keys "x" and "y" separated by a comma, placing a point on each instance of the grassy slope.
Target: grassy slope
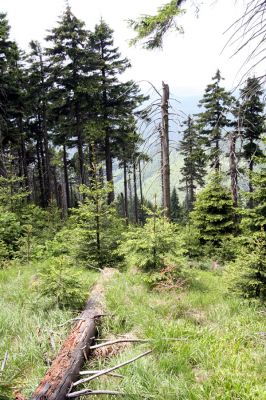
{"x": 27, "y": 323}
{"x": 221, "y": 354}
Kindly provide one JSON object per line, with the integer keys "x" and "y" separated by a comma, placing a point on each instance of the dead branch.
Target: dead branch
{"x": 89, "y": 392}
{"x": 4, "y": 362}
{"x": 104, "y": 372}
{"x": 93, "y": 372}
{"x": 97, "y": 346}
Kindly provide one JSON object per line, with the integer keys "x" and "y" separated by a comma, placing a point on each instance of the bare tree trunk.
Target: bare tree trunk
{"x": 250, "y": 184}
{"x": 141, "y": 195}
{"x": 135, "y": 193}
{"x": 40, "y": 174}
{"x": 233, "y": 167}
{"x": 109, "y": 167}
{"x": 165, "y": 150}
{"x": 161, "y": 164}
{"x": 47, "y": 179}
{"x": 125, "y": 192}
{"x": 130, "y": 195}
{"x": 66, "y": 176}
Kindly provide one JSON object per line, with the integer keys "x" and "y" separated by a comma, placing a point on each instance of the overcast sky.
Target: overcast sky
{"x": 187, "y": 62}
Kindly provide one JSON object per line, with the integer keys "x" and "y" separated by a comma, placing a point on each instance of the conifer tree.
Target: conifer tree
{"x": 37, "y": 113}
{"x": 215, "y": 118}
{"x": 116, "y": 101}
{"x": 213, "y": 213}
{"x": 252, "y": 118}
{"x": 5, "y": 55}
{"x": 71, "y": 77}
{"x": 175, "y": 206}
{"x": 193, "y": 171}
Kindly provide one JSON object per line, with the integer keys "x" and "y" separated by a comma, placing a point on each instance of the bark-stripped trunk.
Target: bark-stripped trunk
{"x": 165, "y": 150}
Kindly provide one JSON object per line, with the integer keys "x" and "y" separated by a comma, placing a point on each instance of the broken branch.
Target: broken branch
{"x": 104, "y": 372}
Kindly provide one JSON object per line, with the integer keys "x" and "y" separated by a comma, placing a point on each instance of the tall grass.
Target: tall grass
{"x": 220, "y": 351}
{"x": 31, "y": 328}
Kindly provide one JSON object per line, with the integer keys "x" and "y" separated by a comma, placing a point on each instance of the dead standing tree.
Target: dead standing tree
{"x": 164, "y": 131}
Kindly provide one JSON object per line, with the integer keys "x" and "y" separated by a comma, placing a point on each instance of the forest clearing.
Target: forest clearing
{"x": 132, "y": 216}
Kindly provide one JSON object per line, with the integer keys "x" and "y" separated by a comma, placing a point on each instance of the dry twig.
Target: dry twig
{"x": 106, "y": 371}
{"x": 89, "y": 392}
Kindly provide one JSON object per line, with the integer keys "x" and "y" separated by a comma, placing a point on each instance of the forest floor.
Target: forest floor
{"x": 206, "y": 344}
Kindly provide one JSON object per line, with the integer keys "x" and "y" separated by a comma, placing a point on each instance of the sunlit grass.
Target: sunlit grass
{"x": 220, "y": 353}
{"x": 29, "y": 326}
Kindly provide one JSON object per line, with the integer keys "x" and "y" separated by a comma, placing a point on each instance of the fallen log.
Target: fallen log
{"x": 66, "y": 367}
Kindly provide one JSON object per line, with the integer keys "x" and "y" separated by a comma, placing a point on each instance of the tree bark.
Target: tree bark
{"x": 165, "y": 150}
{"x": 66, "y": 176}
{"x": 125, "y": 192}
{"x": 66, "y": 367}
{"x": 135, "y": 193}
{"x": 233, "y": 167}
{"x": 109, "y": 167}
{"x": 141, "y": 195}
{"x": 40, "y": 174}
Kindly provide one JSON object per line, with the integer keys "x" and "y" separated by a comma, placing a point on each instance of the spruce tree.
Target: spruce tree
{"x": 215, "y": 118}
{"x": 213, "y": 213}
{"x": 37, "y": 112}
{"x": 252, "y": 118}
{"x": 175, "y": 206}
{"x": 193, "y": 171}
{"x": 6, "y": 46}
{"x": 116, "y": 101}
{"x": 72, "y": 64}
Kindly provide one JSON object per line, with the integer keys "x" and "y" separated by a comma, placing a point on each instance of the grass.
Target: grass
{"x": 220, "y": 353}
{"x": 28, "y": 322}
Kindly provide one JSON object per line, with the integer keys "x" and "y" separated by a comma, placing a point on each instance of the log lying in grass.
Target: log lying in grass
{"x": 66, "y": 367}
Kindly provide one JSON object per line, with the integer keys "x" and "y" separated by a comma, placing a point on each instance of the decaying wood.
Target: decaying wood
{"x": 66, "y": 367}
{"x": 106, "y": 371}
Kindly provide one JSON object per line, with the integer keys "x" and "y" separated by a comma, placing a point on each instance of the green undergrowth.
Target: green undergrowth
{"x": 207, "y": 344}
{"x": 32, "y": 328}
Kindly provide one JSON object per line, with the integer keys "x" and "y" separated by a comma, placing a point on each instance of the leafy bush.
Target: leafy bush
{"x": 154, "y": 245}
{"x": 63, "y": 284}
{"x": 247, "y": 274}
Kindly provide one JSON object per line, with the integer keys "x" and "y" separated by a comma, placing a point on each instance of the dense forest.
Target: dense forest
{"x": 192, "y": 259}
